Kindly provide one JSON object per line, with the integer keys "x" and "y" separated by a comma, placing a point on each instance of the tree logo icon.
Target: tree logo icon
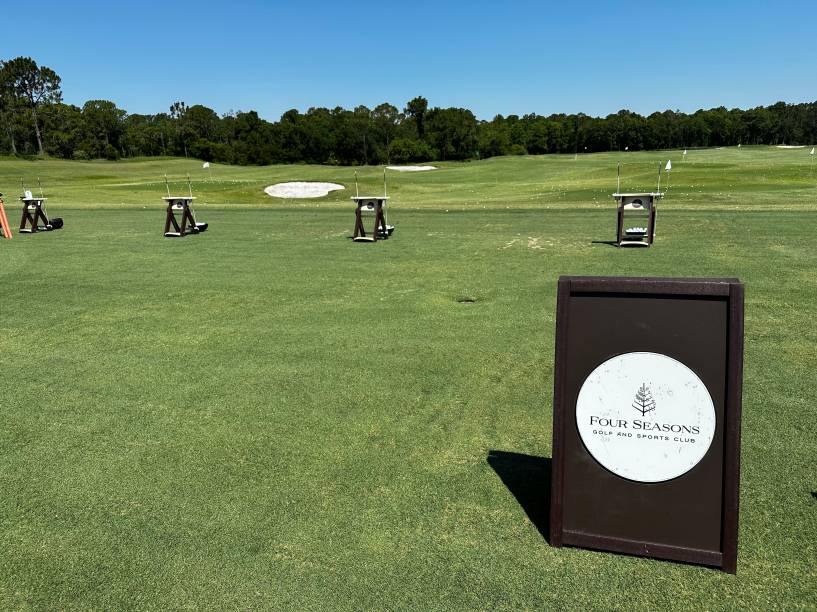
{"x": 644, "y": 402}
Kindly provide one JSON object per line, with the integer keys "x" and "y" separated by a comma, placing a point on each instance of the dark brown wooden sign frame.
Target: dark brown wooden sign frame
{"x": 692, "y": 518}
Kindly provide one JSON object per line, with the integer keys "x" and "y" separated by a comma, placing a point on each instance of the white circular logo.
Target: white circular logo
{"x": 645, "y": 417}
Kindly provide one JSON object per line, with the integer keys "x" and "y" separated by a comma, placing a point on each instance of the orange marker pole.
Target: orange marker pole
{"x": 4, "y": 221}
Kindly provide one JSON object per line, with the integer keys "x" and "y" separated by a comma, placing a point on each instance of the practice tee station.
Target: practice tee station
{"x": 371, "y": 205}
{"x": 34, "y": 218}
{"x": 635, "y": 215}
{"x": 181, "y": 205}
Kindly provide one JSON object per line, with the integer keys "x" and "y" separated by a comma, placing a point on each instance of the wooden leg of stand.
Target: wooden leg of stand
{"x": 40, "y": 216}
{"x": 188, "y": 221}
{"x": 171, "y": 220}
{"x": 359, "y": 231}
{"x": 27, "y": 218}
{"x": 183, "y": 231}
{"x": 380, "y": 223}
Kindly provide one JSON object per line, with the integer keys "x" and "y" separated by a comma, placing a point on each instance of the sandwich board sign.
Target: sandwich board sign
{"x": 646, "y": 417}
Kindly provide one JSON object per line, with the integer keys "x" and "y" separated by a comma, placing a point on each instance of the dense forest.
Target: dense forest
{"x": 35, "y": 121}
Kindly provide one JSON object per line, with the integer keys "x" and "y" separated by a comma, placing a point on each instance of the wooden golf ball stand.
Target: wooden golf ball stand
{"x": 185, "y": 224}
{"x": 636, "y": 208}
{"x": 34, "y": 218}
{"x": 371, "y": 205}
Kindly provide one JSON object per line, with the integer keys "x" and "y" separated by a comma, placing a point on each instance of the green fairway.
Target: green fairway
{"x": 733, "y": 178}
{"x": 269, "y": 415}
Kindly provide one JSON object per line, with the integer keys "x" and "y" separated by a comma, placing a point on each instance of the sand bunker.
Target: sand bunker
{"x": 411, "y": 168}
{"x": 299, "y": 189}
{"x": 791, "y": 146}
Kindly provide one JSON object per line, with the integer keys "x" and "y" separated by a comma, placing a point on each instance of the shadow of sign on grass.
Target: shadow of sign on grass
{"x": 528, "y": 479}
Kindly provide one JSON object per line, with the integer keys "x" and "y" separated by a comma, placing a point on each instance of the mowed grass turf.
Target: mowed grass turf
{"x": 270, "y": 416}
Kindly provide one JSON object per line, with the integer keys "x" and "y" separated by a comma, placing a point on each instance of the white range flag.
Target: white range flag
{"x": 669, "y": 165}
{"x": 812, "y": 151}
{"x": 685, "y": 151}
{"x": 205, "y": 165}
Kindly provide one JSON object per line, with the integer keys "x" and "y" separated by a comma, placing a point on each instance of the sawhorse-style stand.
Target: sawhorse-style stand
{"x": 34, "y": 218}
{"x": 636, "y": 208}
{"x": 366, "y": 206}
{"x": 186, "y": 223}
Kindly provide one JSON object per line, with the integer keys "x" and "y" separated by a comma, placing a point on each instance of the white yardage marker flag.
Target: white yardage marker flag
{"x": 812, "y": 151}
{"x": 669, "y": 165}
{"x": 205, "y": 165}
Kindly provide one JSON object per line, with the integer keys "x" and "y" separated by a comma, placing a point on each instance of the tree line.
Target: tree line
{"x": 36, "y": 121}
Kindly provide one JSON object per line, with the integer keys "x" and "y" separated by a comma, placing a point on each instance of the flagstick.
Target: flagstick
{"x": 659, "y": 177}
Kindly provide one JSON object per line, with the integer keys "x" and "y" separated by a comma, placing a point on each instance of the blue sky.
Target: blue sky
{"x": 492, "y": 57}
